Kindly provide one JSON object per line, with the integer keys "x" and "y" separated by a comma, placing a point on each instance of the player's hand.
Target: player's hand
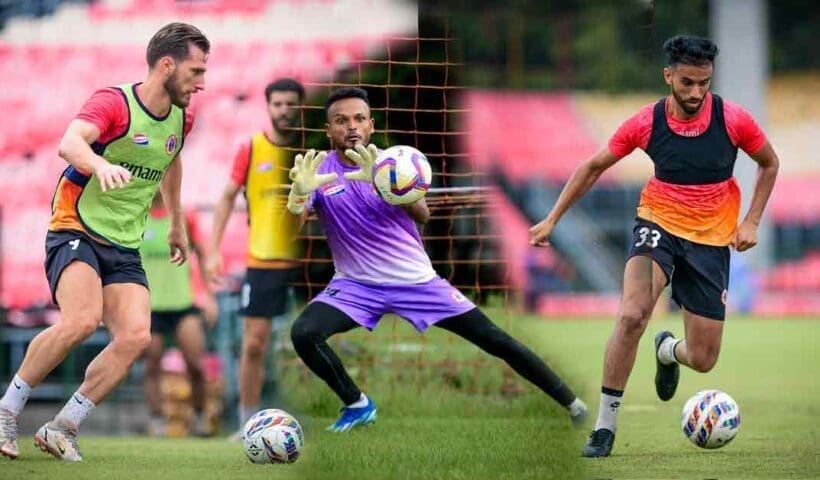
{"x": 365, "y": 158}
{"x": 303, "y": 174}
{"x": 112, "y": 176}
{"x": 745, "y": 236}
{"x": 178, "y": 244}
{"x": 213, "y": 268}
{"x": 210, "y": 312}
{"x": 540, "y": 233}
{"x": 305, "y": 179}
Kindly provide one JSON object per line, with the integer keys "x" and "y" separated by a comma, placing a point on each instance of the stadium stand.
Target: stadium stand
{"x": 227, "y": 111}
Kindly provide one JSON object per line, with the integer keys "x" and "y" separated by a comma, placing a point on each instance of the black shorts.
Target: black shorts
{"x": 113, "y": 265}
{"x": 265, "y": 291}
{"x": 699, "y": 273}
{"x": 166, "y": 321}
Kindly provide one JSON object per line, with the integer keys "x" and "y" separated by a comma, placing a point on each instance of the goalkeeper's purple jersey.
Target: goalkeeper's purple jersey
{"x": 371, "y": 240}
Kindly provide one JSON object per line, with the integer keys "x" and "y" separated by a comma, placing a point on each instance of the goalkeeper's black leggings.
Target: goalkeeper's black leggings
{"x": 319, "y": 321}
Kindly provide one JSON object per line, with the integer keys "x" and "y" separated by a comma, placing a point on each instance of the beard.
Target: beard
{"x": 285, "y": 126}
{"x": 689, "y": 108}
{"x": 174, "y": 90}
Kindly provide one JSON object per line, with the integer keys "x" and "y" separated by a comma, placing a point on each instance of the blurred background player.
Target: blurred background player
{"x": 382, "y": 267}
{"x": 687, "y": 219}
{"x": 122, "y": 146}
{"x": 260, "y": 168}
{"x": 173, "y": 313}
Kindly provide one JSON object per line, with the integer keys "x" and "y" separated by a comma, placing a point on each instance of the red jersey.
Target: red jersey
{"x": 705, "y": 213}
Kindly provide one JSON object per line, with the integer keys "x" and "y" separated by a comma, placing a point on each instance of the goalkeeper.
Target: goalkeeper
{"x": 382, "y": 267}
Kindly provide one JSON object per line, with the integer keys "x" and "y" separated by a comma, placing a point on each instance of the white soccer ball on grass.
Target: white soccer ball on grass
{"x": 710, "y": 419}
{"x": 272, "y": 436}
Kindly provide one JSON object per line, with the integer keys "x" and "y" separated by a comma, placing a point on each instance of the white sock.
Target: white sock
{"x": 16, "y": 395}
{"x": 577, "y": 407}
{"x": 76, "y": 410}
{"x": 608, "y": 409}
{"x": 361, "y": 402}
{"x": 245, "y": 413}
{"x": 666, "y": 351}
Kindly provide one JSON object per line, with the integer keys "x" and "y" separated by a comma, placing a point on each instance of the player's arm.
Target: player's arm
{"x": 222, "y": 213}
{"x": 171, "y": 186}
{"x": 767, "y": 166}
{"x": 75, "y": 148}
{"x": 582, "y": 179}
{"x": 209, "y": 309}
{"x": 419, "y": 211}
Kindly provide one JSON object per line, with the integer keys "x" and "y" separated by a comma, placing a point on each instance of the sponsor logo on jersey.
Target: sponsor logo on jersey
{"x": 144, "y": 173}
{"x": 171, "y": 144}
{"x": 333, "y": 189}
{"x": 458, "y": 297}
{"x": 140, "y": 139}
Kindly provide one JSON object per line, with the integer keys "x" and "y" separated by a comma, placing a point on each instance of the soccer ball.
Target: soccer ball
{"x": 710, "y": 419}
{"x": 401, "y": 175}
{"x": 272, "y": 436}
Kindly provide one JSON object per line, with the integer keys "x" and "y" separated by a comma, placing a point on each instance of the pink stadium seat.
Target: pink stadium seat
{"x": 549, "y": 139}
{"x": 796, "y": 199}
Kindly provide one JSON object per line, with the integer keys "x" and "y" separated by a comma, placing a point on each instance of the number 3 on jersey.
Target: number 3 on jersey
{"x": 648, "y": 236}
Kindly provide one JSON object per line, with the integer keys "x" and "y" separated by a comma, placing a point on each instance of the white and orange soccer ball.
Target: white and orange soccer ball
{"x": 401, "y": 175}
{"x": 272, "y": 436}
{"x": 710, "y": 419}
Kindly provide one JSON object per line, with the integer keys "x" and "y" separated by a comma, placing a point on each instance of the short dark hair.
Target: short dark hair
{"x": 690, "y": 50}
{"x": 346, "y": 92}
{"x": 285, "y": 85}
{"x": 174, "y": 40}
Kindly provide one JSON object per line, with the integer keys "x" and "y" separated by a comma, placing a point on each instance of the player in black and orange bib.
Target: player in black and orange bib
{"x": 261, "y": 169}
{"x": 686, "y": 221}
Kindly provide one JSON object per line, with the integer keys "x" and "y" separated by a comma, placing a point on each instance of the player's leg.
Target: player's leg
{"x": 309, "y": 334}
{"x": 127, "y": 315}
{"x": 79, "y": 294}
{"x": 701, "y": 347}
{"x": 263, "y": 296}
{"x": 255, "y": 340}
{"x": 476, "y": 328}
{"x": 699, "y": 287}
{"x": 152, "y": 358}
{"x": 644, "y": 280}
{"x": 190, "y": 336}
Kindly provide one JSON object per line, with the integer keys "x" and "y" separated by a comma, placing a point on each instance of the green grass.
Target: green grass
{"x": 450, "y": 419}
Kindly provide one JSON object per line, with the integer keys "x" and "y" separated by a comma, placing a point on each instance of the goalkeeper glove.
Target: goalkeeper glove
{"x": 365, "y": 158}
{"x": 305, "y": 180}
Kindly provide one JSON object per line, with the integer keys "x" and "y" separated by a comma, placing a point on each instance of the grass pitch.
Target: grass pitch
{"x": 439, "y": 418}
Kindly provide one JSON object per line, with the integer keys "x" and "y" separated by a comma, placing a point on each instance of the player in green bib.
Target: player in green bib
{"x": 121, "y": 148}
{"x": 173, "y": 313}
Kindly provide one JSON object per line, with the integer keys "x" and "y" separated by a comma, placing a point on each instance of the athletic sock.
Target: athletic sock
{"x": 16, "y": 395}
{"x": 608, "y": 409}
{"x": 360, "y": 403}
{"x": 75, "y": 411}
{"x": 577, "y": 407}
{"x": 245, "y": 412}
{"x": 666, "y": 350}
